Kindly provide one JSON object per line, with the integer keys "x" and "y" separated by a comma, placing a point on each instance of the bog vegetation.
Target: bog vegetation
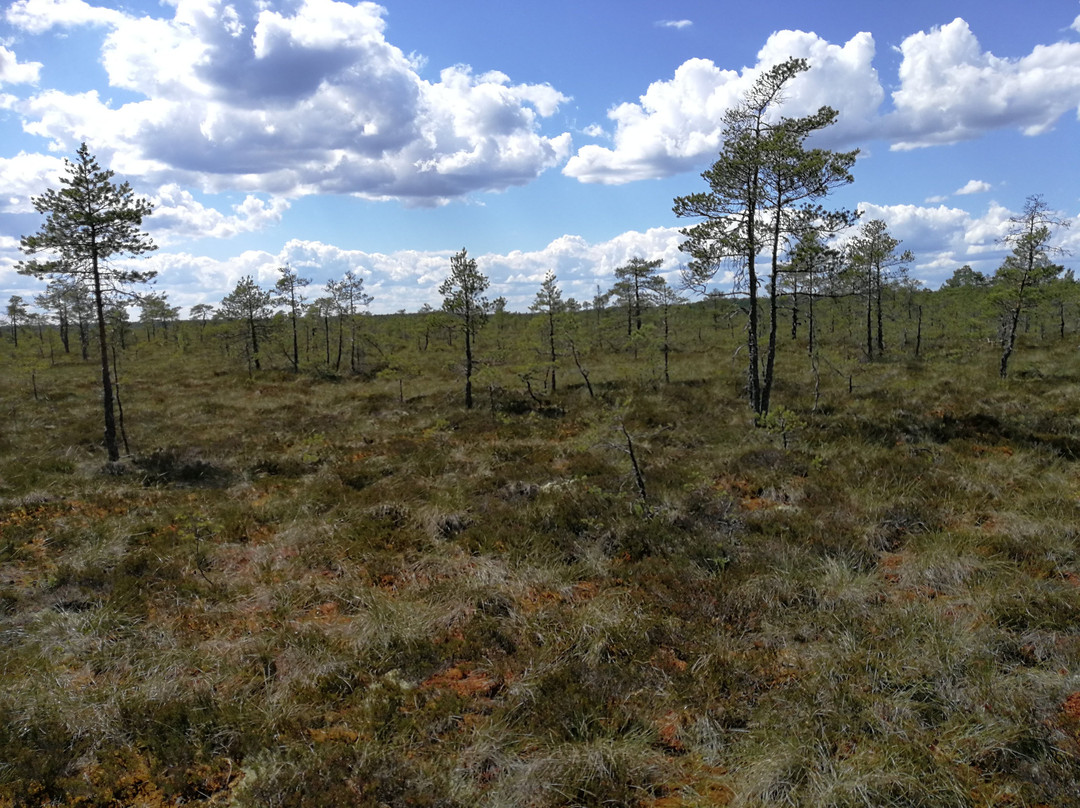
{"x": 602, "y": 553}
{"x": 333, "y": 584}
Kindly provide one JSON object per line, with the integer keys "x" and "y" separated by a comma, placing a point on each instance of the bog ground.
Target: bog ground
{"x": 346, "y": 589}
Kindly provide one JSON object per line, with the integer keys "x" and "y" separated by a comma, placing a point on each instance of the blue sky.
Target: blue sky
{"x": 384, "y": 137}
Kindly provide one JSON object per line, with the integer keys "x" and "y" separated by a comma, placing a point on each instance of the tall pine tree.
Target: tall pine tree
{"x": 464, "y": 301}
{"x": 762, "y": 190}
{"x": 90, "y": 221}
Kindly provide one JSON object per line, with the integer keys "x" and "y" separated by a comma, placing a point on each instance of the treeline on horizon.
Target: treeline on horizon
{"x": 840, "y": 306}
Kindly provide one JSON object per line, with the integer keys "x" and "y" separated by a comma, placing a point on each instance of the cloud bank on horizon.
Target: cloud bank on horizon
{"x": 408, "y": 279}
{"x": 248, "y": 98}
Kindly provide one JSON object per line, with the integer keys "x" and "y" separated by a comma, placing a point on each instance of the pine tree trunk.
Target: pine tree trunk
{"x": 340, "y": 343}
{"x": 869, "y": 312}
{"x": 918, "y": 334}
{"x": 753, "y": 372}
{"x": 295, "y": 345}
{"x": 770, "y": 356}
{"x": 551, "y": 342}
{"x": 667, "y": 346}
{"x": 106, "y": 379}
{"x": 254, "y": 342}
{"x": 795, "y": 308}
{"x": 637, "y": 301}
{"x": 1008, "y": 341}
{"x": 468, "y": 365}
{"x": 880, "y": 336}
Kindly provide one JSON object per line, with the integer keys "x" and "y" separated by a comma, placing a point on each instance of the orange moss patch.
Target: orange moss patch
{"x": 388, "y": 582}
{"x": 584, "y": 590}
{"x": 21, "y": 516}
{"x": 757, "y": 503}
{"x": 889, "y": 565}
{"x": 41, "y": 518}
{"x": 569, "y": 429}
{"x": 36, "y": 547}
{"x": 328, "y": 609}
{"x": 466, "y": 684}
{"x": 1071, "y": 707}
{"x": 337, "y": 734}
{"x": 736, "y": 486}
{"x": 123, "y": 778}
{"x": 669, "y": 728}
{"x": 667, "y": 660}
{"x": 782, "y": 667}
{"x": 751, "y": 497}
{"x": 707, "y": 788}
{"x": 536, "y": 599}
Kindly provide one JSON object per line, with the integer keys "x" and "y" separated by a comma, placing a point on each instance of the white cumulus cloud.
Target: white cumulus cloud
{"x": 973, "y": 187}
{"x": 26, "y": 175}
{"x": 38, "y": 16}
{"x": 949, "y": 89}
{"x": 312, "y": 99}
{"x": 952, "y": 90}
{"x": 678, "y": 123}
{"x": 12, "y": 71}
{"x": 677, "y": 24}
{"x": 178, "y": 216}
